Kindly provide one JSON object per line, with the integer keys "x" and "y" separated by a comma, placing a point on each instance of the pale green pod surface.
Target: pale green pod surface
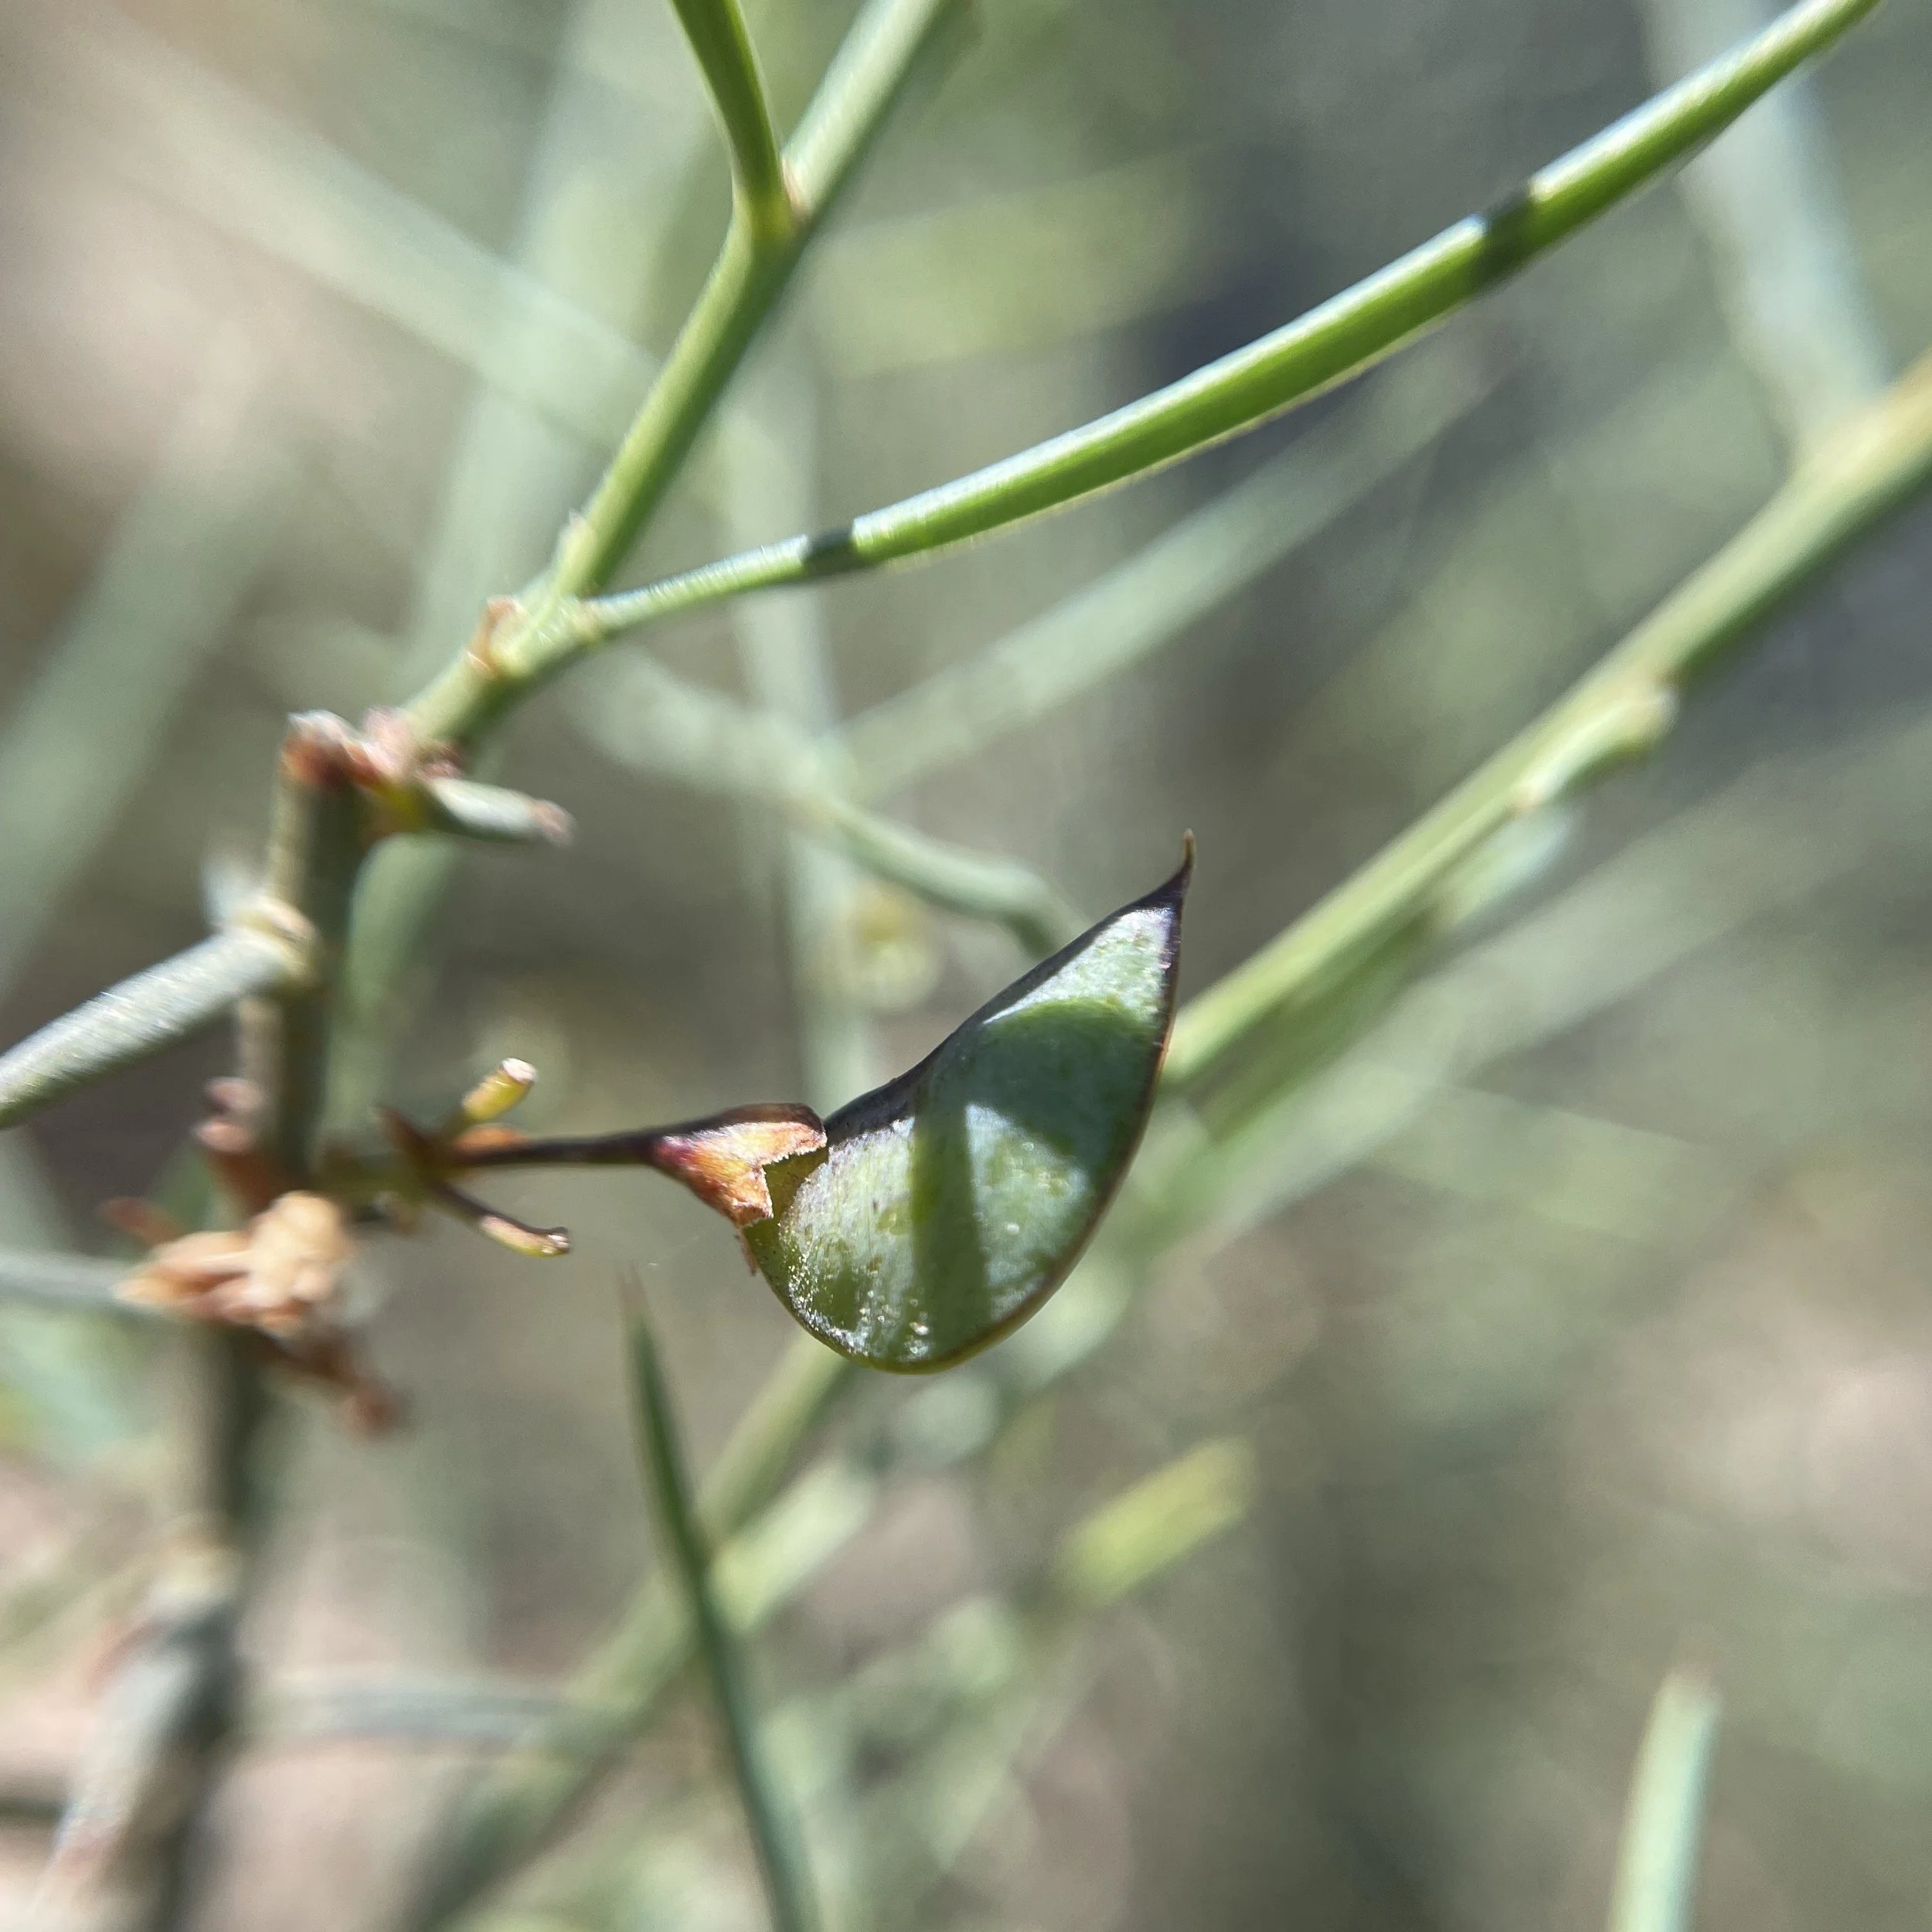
{"x": 946, "y": 1206}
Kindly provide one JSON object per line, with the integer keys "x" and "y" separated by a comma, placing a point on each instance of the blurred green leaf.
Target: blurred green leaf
{"x": 1657, "y": 1862}
{"x": 1157, "y": 1522}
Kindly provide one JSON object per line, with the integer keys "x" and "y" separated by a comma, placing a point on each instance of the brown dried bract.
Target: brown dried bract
{"x": 383, "y": 758}
{"x": 280, "y": 1277}
{"x": 723, "y": 1161}
{"x": 280, "y": 1280}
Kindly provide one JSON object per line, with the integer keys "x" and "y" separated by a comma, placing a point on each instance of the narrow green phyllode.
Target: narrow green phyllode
{"x": 945, "y": 1206}
{"x": 787, "y": 1885}
{"x": 1337, "y": 339}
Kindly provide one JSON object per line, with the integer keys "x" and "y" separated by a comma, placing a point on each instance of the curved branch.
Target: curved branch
{"x": 1340, "y": 338}
{"x": 1873, "y": 465}
{"x": 752, "y": 271}
{"x": 716, "y": 29}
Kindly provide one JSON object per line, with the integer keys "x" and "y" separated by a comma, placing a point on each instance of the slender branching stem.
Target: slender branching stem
{"x": 787, "y": 1887}
{"x": 752, "y": 269}
{"x": 554, "y": 625}
{"x": 716, "y": 29}
{"x": 1623, "y": 708}
{"x": 1338, "y": 339}
{"x": 1152, "y": 597}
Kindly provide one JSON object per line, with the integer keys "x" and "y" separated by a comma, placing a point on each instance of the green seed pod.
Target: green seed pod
{"x": 946, "y": 1206}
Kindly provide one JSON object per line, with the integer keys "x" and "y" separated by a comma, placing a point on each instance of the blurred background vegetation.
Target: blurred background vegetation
{"x": 1586, "y": 1333}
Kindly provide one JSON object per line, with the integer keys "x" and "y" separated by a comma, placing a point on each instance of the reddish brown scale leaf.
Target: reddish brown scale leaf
{"x": 723, "y": 1161}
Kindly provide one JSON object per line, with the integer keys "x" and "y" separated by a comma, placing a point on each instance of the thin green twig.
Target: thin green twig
{"x": 752, "y": 270}
{"x": 716, "y": 29}
{"x": 1150, "y": 598}
{"x": 1336, "y": 340}
{"x": 1344, "y": 335}
{"x": 787, "y": 1887}
{"x": 1875, "y": 463}
{"x": 144, "y": 1016}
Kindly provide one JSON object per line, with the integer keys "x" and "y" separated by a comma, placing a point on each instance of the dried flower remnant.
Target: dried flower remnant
{"x": 280, "y": 1279}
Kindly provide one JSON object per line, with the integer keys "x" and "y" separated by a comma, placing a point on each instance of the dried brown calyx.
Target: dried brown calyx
{"x": 279, "y": 1278}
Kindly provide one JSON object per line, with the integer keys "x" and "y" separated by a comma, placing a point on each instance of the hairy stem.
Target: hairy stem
{"x": 145, "y": 1015}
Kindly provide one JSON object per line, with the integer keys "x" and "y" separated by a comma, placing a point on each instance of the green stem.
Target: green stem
{"x": 1870, "y": 466}
{"x": 1336, "y": 340}
{"x": 1152, "y": 597}
{"x": 315, "y": 852}
{"x": 516, "y": 1807}
{"x": 716, "y": 29}
{"x": 752, "y": 270}
{"x": 787, "y": 1886}
{"x": 744, "y": 283}
{"x": 144, "y": 1016}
